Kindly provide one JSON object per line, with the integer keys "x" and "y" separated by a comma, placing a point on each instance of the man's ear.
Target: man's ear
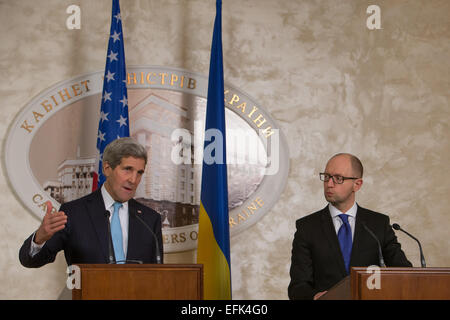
{"x": 357, "y": 185}
{"x": 106, "y": 168}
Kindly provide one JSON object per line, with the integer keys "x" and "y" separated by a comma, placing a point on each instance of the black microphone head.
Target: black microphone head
{"x": 396, "y": 226}
{"x": 107, "y": 213}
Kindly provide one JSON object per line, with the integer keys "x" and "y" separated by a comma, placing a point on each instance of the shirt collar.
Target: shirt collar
{"x": 109, "y": 201}
{"x": 335, "y": 211}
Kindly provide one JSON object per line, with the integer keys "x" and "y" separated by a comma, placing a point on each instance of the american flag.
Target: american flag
{"x": 114, "y": 119}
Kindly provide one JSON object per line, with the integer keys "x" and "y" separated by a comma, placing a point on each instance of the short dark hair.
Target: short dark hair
{"x": 123, "y": 148}
{"x": 357, "y": 166}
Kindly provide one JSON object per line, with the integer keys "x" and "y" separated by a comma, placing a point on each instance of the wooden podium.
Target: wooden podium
{"x": 394, "y": 284}
{"x": 140, "y": 282}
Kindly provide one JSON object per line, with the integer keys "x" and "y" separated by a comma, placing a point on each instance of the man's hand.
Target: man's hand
{"x": 319, "y": 294}
{"x": 52, "y": 223}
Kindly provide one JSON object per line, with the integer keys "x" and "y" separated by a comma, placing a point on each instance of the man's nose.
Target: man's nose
{"x": 330, "y": 182}
{"x": 133, "y": 177}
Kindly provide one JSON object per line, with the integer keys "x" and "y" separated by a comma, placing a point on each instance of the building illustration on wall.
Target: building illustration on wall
{"x": 173, "y": 190}
{"x": 170, "y": 189}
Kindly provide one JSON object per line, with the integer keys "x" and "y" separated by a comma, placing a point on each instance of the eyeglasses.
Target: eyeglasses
{"x": 325, "y": 177}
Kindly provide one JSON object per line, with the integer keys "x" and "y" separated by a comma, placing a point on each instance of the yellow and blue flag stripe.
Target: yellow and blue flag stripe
{"x": 214, "y": 234}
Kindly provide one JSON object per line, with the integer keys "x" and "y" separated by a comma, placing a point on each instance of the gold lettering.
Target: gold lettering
{"x": 142, "y": 77}
{"x": 191, "y": 83}
{"x": 246, "y": 213}
{"x": 182, "y": 237}
{"x": 163, "y": 77}
{"x": 37, "y": 115}
{"x": 43, "y": 207}
{"x": 173, "y": 79}
{"x": 27, "y": 126}
{"x": 148, "y": 78}
{"x": 252, "y": 208}
{"x": 54, "y": 100}
{"x": 182, "y": 82}
{"x": 166, "y": 238}
{"x": 232, "y": 222}
{"x": 240, "y": 218}
{"x": 224, "y": 94}
{"x": 66, "y": 94}
{"x": 85, "y": 82}
{"x": 234, "y": 99}
{"x": 259, "y": 120}
{"x": 268, "y": 131}
{"x": 47, "y": 107}
{"x": 254, "y": 109}
{"x": 76, "y": 89}
{"x": 242, "y": 106}
{"x": 37, "y": 198}
{"x": 259, "y": 201}
{"x": 129, "y": 78}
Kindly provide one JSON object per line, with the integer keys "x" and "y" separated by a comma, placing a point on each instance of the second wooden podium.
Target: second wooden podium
{"x": 140, "y": 282}
{"x": 394, "y": 284}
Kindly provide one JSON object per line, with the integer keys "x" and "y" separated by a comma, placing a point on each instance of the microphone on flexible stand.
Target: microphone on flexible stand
{"x": 422, "y": 258}
{"x": 111, "y": 257}
{"x": 380, "y": 253}
{"x": 158, "y": 253}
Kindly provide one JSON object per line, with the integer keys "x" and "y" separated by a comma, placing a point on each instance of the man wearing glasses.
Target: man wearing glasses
{"x": 329, "y": 242}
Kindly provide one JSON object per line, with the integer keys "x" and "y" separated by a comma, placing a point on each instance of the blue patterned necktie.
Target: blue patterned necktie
{"x": 345, "y": 241}
{"x": 116, "y": 233}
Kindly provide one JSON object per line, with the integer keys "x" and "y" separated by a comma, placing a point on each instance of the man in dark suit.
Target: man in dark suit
{"x": 330, "y": 241}
{"x": 81, "y": 228}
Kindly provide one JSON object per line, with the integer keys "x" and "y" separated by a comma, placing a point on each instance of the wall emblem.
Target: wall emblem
{"x": 50, "y": 149}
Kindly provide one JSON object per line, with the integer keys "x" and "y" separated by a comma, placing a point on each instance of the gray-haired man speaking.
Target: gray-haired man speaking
{"x": 83, "y": 228}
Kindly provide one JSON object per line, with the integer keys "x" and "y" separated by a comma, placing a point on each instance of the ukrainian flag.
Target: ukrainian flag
{"x": 214, "y": 233}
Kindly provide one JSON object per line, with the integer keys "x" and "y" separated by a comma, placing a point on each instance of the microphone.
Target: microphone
{"x": 422, "y": 258}
{"x": 380, "y": 253}
{"x": 112, "y": 259}
{"x": 158, "y": 254}
{"x": 110, "y": 245}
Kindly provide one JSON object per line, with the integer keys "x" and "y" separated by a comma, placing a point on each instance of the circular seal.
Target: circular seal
{"x": 50, "y": 151}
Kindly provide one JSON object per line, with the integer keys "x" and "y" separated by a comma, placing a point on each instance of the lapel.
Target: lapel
{"x": 358, "y": 236}
{"x": 96, "y": 211}
{"x": 133, "y": 227}
{"x": 331, "y": 236}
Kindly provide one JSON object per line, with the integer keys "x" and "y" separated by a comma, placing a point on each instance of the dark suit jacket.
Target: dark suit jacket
{"x": 317, "y": 263}
{"x": 85, "y": 236}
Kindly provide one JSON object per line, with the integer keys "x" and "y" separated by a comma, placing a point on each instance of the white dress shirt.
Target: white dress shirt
{"x": 335, "y": 212}
{"x": 109, "y": 205}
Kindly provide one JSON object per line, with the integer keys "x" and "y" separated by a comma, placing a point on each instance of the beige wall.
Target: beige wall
{"x": 332, "y": 85}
